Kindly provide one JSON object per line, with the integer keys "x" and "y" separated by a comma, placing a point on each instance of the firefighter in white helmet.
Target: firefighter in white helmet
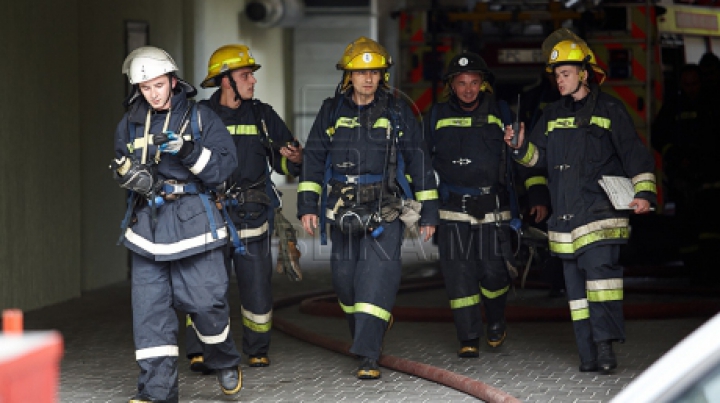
{"x": 262, "y": 142}
{"x": 580, "y": 138}
{"x": 364, "y": 141}
{"x": 170, "y": 155}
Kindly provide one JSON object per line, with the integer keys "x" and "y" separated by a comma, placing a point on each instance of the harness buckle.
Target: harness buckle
{"x": 463, "y": 203}
{"x": 173, "y": 189}
{"x": 353, "y": 179}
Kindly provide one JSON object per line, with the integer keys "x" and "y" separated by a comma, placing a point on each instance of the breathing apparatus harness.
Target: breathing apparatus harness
{"x": 145, "y": 182}
{"x": 353, "y": 215}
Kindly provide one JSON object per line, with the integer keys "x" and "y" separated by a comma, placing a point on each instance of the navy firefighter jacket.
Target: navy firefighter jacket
{"x": 185, "y": 226}
{"x": 580, "y": 142}
{"x": 467, "y": 149}
{"x": 252, "y": 171}
{"x": 356, "y": 143}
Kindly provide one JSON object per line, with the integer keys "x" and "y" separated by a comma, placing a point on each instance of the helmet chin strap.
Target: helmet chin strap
{"x": 233, "y": 85}
{"x": 170, "y": 94}
{"x": 583, "y": 73}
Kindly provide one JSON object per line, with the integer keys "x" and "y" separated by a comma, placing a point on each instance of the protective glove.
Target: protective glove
{"x": 170, "y": 144}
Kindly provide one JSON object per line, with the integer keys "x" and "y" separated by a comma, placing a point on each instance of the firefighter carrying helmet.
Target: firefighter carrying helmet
{"x": 148, "y": 62}
{"x": 564, "y": 47}
{"x": 225, "y": 59}
{"x": 364, "y": 54}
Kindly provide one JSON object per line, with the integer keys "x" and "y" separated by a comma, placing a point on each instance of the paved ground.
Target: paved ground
{"x": 538, "y": 362}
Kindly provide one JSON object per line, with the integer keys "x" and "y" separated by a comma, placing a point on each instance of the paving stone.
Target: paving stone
{"x": 538, "y": 362}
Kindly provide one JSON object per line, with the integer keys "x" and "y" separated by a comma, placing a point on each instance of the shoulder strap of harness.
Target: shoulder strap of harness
{"x": 334, "y": 114}
{"x": 396, "y": 164}
{"x": 260, "y": 123}
{"x": 265, "y": 140}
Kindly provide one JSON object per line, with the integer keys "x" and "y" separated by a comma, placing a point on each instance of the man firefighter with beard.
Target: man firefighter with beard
{"x": 465, "y": 138}
{"x": 580, "y": 138}
{"x": 262, "y": 142}
{"x": 172, "y": 156}
{"x": 363, "y": 142}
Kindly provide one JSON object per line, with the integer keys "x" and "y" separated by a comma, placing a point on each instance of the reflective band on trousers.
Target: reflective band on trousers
{"x": 494, "y": 294}
{"x": 260, "y": 323}
{"x": 579, "y": 309}
{"x": 154, "y": 352}
{"x": 364, "y": 307}
{"x": 465, "y": 302}
{"x": 605, "y": 290}
{"x": 489, "y": 218}
{"x": 217, "y": 339}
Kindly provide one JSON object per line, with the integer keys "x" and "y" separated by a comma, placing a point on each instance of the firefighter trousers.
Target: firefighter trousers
{"x": 366, "y": 276}
{"x": 594, "y": 286}
{"x": 196, "y": 285}
{"x": 253, "y": 272}
{"x": 474, "y": 270}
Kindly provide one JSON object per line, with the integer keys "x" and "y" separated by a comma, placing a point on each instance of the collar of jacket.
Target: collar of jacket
{"x": 229, "y": 115}
{"x": 481, "y": 105}
{"x": 138, "y": 109}
{"x": 380, "y": 97}
{"x": 584, "y": 108}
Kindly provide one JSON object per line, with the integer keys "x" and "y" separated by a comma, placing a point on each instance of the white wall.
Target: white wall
{"x": 222, "y": 22}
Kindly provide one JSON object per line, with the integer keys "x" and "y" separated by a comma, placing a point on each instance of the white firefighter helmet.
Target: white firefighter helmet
{"x": 146, "y": 63}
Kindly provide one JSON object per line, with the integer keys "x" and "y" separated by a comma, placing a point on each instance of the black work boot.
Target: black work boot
{"x": 260, "y": 360}
{"x": 197, "y": 364}
{"x": 469, "y": 348}
{"x": 496, "y": 333}
{"x": 368, "y": 369}
{"x": 606, "y": 357}
{"x": 230, "y": 380}
{"x": 590, "y": 366}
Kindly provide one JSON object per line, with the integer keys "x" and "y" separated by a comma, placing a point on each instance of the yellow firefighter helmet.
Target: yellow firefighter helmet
{"x": 227, "y": 58}
{"x": 565, "y": 47}
{"x": 364, "y": 54}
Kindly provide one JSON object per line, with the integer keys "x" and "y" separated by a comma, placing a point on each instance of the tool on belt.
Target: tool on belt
{"x": 288, "y": 261}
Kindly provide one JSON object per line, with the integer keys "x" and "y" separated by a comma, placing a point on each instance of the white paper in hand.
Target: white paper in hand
{"x": 619, "y": 189}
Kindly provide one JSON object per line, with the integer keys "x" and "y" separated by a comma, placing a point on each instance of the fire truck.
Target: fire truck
{"x": 641, "y": 45}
